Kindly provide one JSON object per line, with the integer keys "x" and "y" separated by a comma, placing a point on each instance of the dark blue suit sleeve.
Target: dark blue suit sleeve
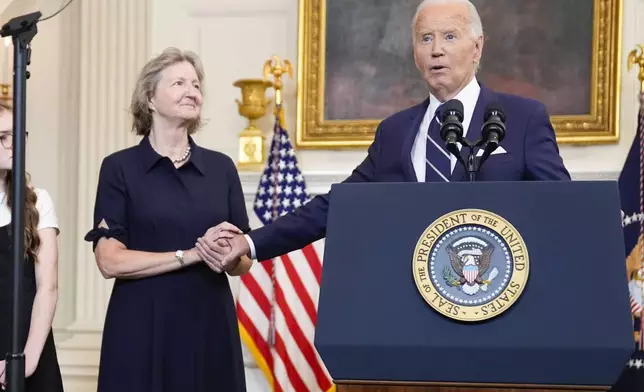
{"x": 307, "y": 224}
{"x": 543, "y": 162}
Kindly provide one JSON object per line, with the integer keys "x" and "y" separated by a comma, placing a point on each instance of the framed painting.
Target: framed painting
{"x": 356, "y": 65}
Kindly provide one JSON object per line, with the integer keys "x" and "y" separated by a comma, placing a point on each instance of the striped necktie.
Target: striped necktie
{"x": 437, "y": 157}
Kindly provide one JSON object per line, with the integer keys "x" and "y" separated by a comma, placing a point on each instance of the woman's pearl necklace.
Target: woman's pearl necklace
{"x": 178, "y": 160}
{"x": 184, "y": 157}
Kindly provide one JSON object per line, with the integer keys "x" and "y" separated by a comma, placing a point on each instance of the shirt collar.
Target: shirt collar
{"x": 151, "y": 157}
{"x": 468, "y": 97}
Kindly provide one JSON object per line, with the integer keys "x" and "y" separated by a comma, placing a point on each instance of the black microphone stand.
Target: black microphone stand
{"x": 471, "y": 167}
{"x": 23, "y": 29}
{"x": 471, "y": 163}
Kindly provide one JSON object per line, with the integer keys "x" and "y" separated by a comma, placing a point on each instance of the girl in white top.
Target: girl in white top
{"x": 40, "y": 274}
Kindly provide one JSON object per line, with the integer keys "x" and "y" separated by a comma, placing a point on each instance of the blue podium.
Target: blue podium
{"x": 486, "y": 285}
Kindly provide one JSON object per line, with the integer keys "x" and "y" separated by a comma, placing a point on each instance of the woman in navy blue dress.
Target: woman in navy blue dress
{"x": 171, "y": 323}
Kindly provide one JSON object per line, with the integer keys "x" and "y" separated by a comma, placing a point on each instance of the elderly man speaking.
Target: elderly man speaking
{"x": 448, "y": 44}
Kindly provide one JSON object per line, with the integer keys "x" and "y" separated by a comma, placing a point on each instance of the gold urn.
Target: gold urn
{"x": 254, "y": 105}
{"x": 6, "y": 94}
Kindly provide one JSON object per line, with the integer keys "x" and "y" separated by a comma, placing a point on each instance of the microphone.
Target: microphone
{"x": 494, "y": 126}
{"x": 451, "y": 125}
{"x": 493, "y": 130}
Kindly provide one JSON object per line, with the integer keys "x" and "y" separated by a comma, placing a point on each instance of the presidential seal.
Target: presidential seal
{"x": 470, "y": 265}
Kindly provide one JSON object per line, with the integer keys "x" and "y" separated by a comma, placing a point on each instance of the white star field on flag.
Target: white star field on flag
{"x": 631, "y": 219}
{"x": 289, "y": 192}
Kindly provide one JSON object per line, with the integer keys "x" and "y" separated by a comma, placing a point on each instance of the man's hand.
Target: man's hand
{"x": 222, "y": 230}
{"x": 238, "y": 247}
{"x": 213, "y": 246}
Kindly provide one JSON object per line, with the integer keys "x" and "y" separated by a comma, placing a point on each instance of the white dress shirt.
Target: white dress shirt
{"x": 468, "y": 96}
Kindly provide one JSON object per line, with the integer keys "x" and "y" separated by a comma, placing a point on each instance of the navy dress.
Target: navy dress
{"x": 176, "y": 331}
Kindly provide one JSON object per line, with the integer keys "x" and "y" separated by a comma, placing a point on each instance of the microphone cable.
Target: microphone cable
{"x": 56, "y": 13}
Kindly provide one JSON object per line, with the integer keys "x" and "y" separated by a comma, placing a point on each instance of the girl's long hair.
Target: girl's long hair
{"x": 32, "y": 240}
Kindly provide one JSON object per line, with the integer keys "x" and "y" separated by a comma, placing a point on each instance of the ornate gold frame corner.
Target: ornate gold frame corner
{"x": 599, "y": 126}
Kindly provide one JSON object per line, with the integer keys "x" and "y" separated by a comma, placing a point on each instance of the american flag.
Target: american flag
{"x": 278, "y": 298}
{"x": 631, "y": 187}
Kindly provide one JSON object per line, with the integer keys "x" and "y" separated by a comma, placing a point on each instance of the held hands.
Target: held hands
{"x": 223, "y": 247}
{"x": 237, "y": 261}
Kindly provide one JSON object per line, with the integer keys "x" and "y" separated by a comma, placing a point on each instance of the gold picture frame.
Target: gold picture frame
{"x": 599, "y": 125}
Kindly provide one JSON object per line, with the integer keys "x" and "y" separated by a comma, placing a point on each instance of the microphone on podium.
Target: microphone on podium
{"x": 492, "y": 133}
{"x": 452, "y": 124}
{"x": 493, "y": 130}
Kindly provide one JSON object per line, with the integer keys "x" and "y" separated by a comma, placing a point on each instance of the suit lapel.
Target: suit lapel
{"x": 415, "y": 119}
{"x": 473, "y": 131}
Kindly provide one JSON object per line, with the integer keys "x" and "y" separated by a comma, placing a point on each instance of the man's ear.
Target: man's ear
{"x": 478, "y": 49}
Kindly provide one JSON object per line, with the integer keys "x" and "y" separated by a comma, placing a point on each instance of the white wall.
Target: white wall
{"x": 234, "y": 38}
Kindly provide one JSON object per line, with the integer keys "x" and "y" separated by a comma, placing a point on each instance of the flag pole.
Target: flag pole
{"x": 274, "y": 66}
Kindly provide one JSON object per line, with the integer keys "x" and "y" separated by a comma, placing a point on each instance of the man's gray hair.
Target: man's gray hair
{"x": 475, "y": 19}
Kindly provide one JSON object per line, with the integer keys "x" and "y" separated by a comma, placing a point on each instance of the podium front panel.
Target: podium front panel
{"x": 570, "y": 326}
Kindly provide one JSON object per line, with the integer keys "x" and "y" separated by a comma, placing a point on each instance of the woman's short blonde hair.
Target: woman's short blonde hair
{"x": 147, "y": 82}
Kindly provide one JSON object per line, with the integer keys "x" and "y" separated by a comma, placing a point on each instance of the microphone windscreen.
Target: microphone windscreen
{"x": 453, "y": 106}
{"x": 493, "y": 107}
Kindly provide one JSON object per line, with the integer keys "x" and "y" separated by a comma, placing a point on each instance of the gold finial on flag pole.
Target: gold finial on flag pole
{"x": 277, "y": 68}
{"x": 637, "y": 58}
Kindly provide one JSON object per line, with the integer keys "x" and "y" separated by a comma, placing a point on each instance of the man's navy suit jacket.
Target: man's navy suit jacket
{"x": 531, "y": 154}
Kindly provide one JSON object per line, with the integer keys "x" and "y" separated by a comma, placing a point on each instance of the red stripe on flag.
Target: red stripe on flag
{"x": 302, "y": 293}
{"x": 293, "y": 375}
{"x": 257, "y": 293}
{"x": 268, "y": 267}
{"x": 314, "y": 261}
{"x": 259, "y": 341}
{"x": 305, "y": 346}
